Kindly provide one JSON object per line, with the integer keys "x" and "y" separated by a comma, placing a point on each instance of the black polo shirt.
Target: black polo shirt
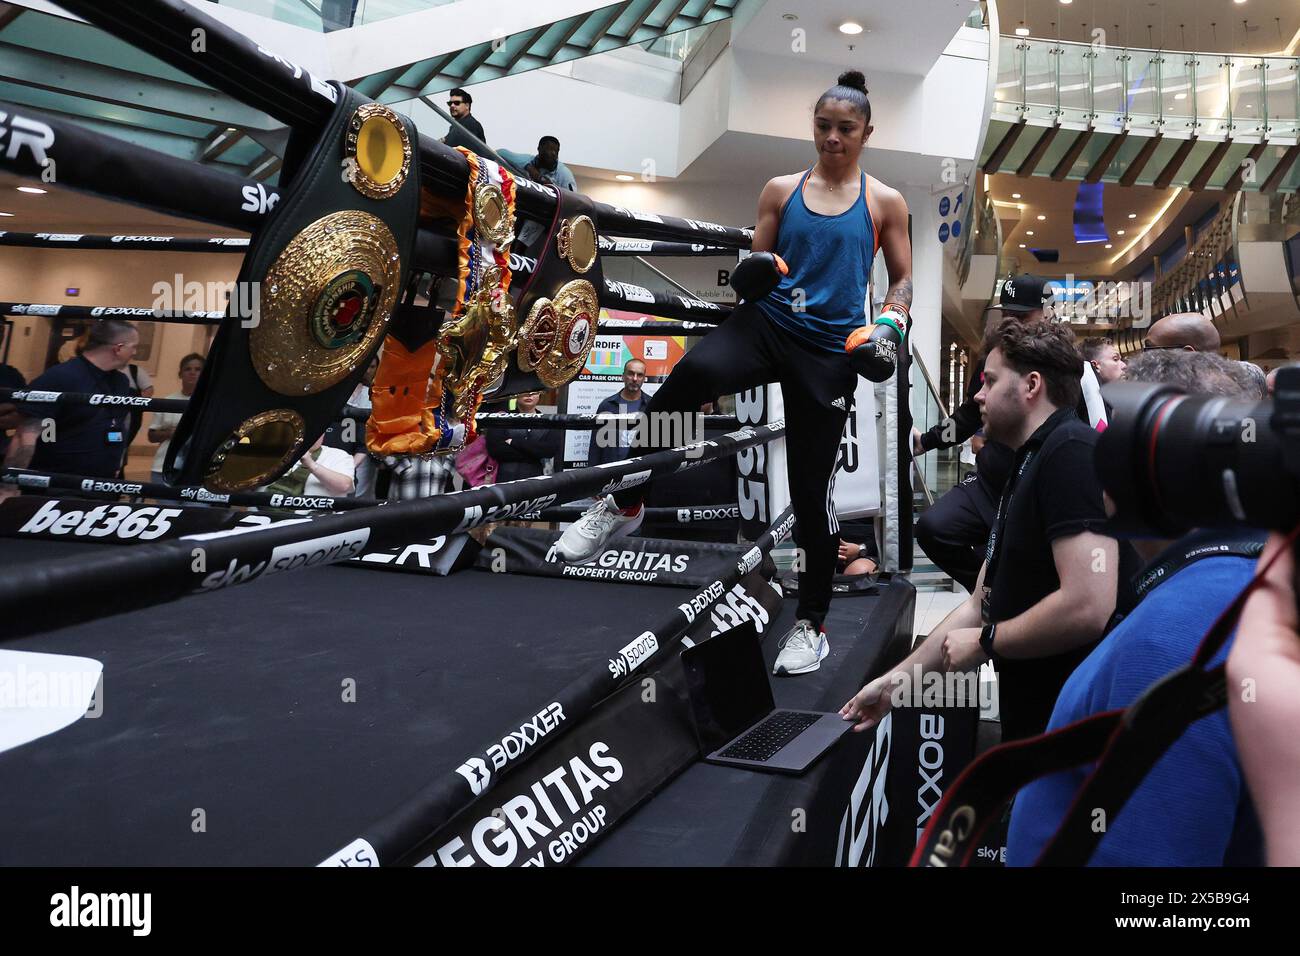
{"x": 456, "y": 138}
{"x": 1052, "y": 492}
{"x": 81, "y": 443}
{"x": 10, "y": 377}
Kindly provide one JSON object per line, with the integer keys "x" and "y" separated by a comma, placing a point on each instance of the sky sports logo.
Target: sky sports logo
{"x": 634, "y": 655}
{"x": 314, "y": 552}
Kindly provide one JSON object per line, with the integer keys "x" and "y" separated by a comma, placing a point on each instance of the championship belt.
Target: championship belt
{"x": 412, "y": 415}
{"x": 322, "y": 276}
{"x": 560, "y": 304}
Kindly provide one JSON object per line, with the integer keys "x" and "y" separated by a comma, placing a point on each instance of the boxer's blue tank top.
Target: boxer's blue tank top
{"x": 830, "y": 260}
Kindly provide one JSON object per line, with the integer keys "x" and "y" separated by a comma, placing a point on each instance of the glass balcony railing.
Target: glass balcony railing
{"x": 1209, "y": 94}
{"x": 326, "y": 16}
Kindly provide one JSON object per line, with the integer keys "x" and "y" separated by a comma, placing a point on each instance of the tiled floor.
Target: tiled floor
{"x": 933, "y": 606}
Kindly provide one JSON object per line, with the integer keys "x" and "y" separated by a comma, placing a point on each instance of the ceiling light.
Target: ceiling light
{"x": 1108, "y": 245}
{"x": 1042, "y": 218}
{"x": 1015, "y": 195}
{"x": 1132, "y": 215}
{"x": 1022, "y": 30}
{"x": 1119, "y": 232}
{"x": 1066, "y": 3}
{"x": 1180, "y": 96}
{"x": 625, "y": 178}
{"x": 850, "y": 28}
{"x": 1239, "y": 2}
{"x": 31, "y": 189}
{"x": 6, "y": 214}
{"x": 1022, "y": 245}
{"x": 1029, "y": 232}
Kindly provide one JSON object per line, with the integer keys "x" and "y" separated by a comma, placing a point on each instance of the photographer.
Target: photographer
{"x": 1191, "y": 808}
{"x": 1049, "y": 578}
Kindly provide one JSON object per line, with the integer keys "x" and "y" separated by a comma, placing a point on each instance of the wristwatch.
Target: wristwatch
{"x": 986, "y": 640}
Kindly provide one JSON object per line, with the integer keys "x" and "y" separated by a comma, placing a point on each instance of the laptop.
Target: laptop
{"x": 736, "y": 719}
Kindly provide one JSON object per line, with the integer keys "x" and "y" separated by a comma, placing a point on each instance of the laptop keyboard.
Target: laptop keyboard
{"x": 767, "y": 737}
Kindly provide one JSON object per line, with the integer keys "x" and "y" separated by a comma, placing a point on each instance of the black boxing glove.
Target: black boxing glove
{"x": 757, "y": 275}
{"x": 873, "y": 349}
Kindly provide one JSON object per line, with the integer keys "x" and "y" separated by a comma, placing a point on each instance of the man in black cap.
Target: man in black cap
{"x": 954, "y": 531}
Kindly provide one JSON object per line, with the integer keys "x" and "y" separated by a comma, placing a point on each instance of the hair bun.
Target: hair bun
{"x": 853, "y": 79}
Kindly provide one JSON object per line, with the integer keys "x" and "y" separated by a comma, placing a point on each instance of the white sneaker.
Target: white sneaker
{"x": 587, "y": 537}
{"x": 802, "y": 650}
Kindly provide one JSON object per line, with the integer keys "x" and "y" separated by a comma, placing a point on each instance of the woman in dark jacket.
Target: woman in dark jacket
{"x": 520, "y": 451}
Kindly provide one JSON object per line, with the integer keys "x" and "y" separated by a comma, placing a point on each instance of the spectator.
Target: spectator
{"x": 84, "y": 439}
{"x": 1104, "y": 358}
{"x": 460, "y": 105}
{"x": 955, "y": 529}
{"x": 10, "y": 417}
{"x": 857, "y": 553}
{"x": 544, "y": 167}
{"x": 1270, "y": 380}
{"x": 141, "y": 385}
{"x": 1048, "y": 584}
{"x": 365, "y": 466}
{"x": 614, "y": 442}
{"x": 1253, "y": 381}
{"x": 524, "y": 452}
{"x": 1191, "y": 808}
{"x": 324, "y": 471}
{"x": 1189, "y": 331}
{"x": 163, "y": 425}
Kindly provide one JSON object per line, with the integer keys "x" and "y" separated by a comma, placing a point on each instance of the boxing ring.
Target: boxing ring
{"x": 263, "y": 700}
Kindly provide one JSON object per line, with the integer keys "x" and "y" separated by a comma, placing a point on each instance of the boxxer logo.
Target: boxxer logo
{"x": 18, "y": 133}
{"x": 476, "y": 772}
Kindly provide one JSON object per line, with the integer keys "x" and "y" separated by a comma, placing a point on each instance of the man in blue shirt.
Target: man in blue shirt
{"x": 614, "y": 442}
{"x": 81, "y": 439}
{"x": 545, "y": 167}
{"x": 1192, "y": 808}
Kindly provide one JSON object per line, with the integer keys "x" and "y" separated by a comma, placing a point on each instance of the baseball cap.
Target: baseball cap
{"x": 1022, "y": 294}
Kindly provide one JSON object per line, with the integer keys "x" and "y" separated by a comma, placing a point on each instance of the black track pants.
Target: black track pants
{"x": 744, "y": 352}
{"x": 954, "y": 532}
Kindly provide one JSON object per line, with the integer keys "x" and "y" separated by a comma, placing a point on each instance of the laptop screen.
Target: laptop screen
{"x": 729, "y": 685}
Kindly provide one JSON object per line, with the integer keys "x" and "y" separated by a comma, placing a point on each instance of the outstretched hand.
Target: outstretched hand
{"x": 869, "y": 706}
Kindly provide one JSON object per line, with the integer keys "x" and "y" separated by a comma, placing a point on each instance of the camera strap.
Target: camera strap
{"x": 1124, "y": 744}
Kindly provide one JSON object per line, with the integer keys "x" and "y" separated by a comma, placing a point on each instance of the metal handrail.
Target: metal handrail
{"x": 929, "y": 382}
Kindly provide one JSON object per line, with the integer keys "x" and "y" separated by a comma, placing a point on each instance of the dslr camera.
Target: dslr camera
{"x": 1172, "y": 462}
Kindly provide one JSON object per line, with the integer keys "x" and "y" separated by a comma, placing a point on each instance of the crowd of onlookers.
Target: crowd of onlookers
{"x": 1079, "y": 622}
{"x": 94, "y": 440}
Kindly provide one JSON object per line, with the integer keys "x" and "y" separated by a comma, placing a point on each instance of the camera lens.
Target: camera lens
{"x": 1172, "y": 462}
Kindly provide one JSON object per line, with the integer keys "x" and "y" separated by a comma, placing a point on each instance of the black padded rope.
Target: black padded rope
{"x": 398, "y": 838}
{"x": 36, "y": 598}
{"x": 482, "y": 420}
{"x": 58, "y": 240}
{"x": 236, "y": 65}
{"x": 39, "y": 481}
{"x": 115, "y": 169}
